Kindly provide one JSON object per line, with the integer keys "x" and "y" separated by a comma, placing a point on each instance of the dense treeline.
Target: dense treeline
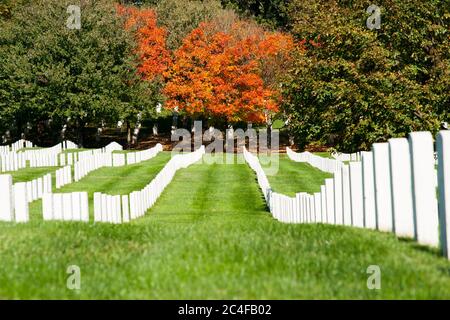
{"x": 53, "y": 77}
{"x": 357, "y": 86}
{"x": 312, "y": 63}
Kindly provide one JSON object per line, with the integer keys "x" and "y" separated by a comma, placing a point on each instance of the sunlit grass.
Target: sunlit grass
{"x": 209, "y": 236}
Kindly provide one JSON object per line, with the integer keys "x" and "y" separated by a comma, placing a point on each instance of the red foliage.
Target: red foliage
{"x": 222, "y": 73}
{"x": 151, "y": 41}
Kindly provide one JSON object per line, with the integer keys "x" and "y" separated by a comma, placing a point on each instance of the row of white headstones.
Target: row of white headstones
{"x": 17, "y": 196}
{"x": 16, "y": 146}
{"x": 393, "y": 188}
{"x": 116, "y": 208}
{"x": 13, "y": 158}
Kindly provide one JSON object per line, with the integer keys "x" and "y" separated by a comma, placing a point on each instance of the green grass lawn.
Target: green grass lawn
{"x": 28, "y": 174}
{"x": 278, "y": 124}
{"x": 294, "y": 177}
{"x": 209, "y": 236}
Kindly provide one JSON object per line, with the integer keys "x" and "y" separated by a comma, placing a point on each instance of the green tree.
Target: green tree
{"x": 272, "y": 13}
{"x": 354, "y": 86}
{"x": 180, "y": 17}
{"x": 74, "y": 77}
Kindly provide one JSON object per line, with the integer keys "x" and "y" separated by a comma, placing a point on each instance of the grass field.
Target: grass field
{"x": 29, "y": 174}
{"x": 293, "y": 177}
{"x": 209, "y": 236}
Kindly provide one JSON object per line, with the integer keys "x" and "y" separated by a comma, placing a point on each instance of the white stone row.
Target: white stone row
{"x": 6, "y": 198}
{"x": 347, "y": 156}
{"x": 72, "y": 206}
{"x": 113, "y": 146}
{"x": 91, "y": 163}
{"x": 392, "y": 188}
{"x": 12, "y": 161}
{"x": 63, "y": 176}
{"x": 321, "y": 163}
{"x": 118, "y": 209}
{"x": 68, "y": 158}
{"x": 16, "y": 146}
{"x": 93, "y": 159}
{"x": 144, "y": 155}
{"x": 121, "y": 159}
{"x": 67, "y": 144}
{"x": 37, "y": 187}
{"x": 45, "y": 157}
{"x": 112, "y": 209}
{"x": 263, "y": 182}
{"x": 53, "y": 156}
{"x": 14, "y": 198}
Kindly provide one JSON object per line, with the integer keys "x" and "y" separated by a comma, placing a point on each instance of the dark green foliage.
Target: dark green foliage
{"x": 359, "y": 86}
{"x": 84, "y": 76}
{"x": 271, "y": 13}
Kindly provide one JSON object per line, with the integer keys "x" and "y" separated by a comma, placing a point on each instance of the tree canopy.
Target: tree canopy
{"x": 357, "y": 86}
{"x": 51, "y": 72}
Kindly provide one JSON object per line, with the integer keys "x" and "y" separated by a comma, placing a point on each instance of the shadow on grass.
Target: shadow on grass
{"x": 424, "y": 248}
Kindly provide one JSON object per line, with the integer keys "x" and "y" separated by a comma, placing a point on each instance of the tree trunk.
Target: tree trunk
{"x": 128, "y": 135}
{"x": 98, "y": 133}
{"x": 174, "y": 121}
{"x": 269, "y": 134}
{"x": 63, "y": 132}
{"x": 137, "y": 128}
{"x": 80, "y": 133}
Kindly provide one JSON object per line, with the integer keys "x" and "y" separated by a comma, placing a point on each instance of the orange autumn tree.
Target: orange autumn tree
{"x": 219, "y": 71}
{"x": 151, "y": 41}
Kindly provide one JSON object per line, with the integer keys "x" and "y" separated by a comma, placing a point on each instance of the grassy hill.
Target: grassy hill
{"x": 210, "y": 236}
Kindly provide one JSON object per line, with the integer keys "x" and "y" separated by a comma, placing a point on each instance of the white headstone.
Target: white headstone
{"x": 346, "y": 199}
{"x": 58, "y": 206}
{"x": 104, "y": 208}
{"x": 382, "y": 179}
{"x": 443, "y": 150}
{"x": 401, "y": 182}
{"x": 34, "y": 189}
{"x": 323, "y": 204}
{"x": 47, "y": 206}
{"x": 97, "y": 206}
{"x": 356, "y": 192}
{"x": 84, "y": 206}
{"x": 6, "y": 198}
{"x": 424, "y": 188}
{"x": 76, "y": 206}
{"x": 338, "y": 197}
{"x": 370, "y": 219}
{"x": 67, "y": 206}
{"x": 329, "y": 189}
{"x": 40, "y": 187}
{"x": 125, "y": 209}
{"x": 317, "y": 206}
{"x": 21, "y": 202}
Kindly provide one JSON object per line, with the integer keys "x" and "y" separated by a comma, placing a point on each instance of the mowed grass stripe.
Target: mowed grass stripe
{"x": 205, "y": 191}
{"x": 293, "y": 177}
{"x": 209, "y": 236}
{"x": 28, "y": 174}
